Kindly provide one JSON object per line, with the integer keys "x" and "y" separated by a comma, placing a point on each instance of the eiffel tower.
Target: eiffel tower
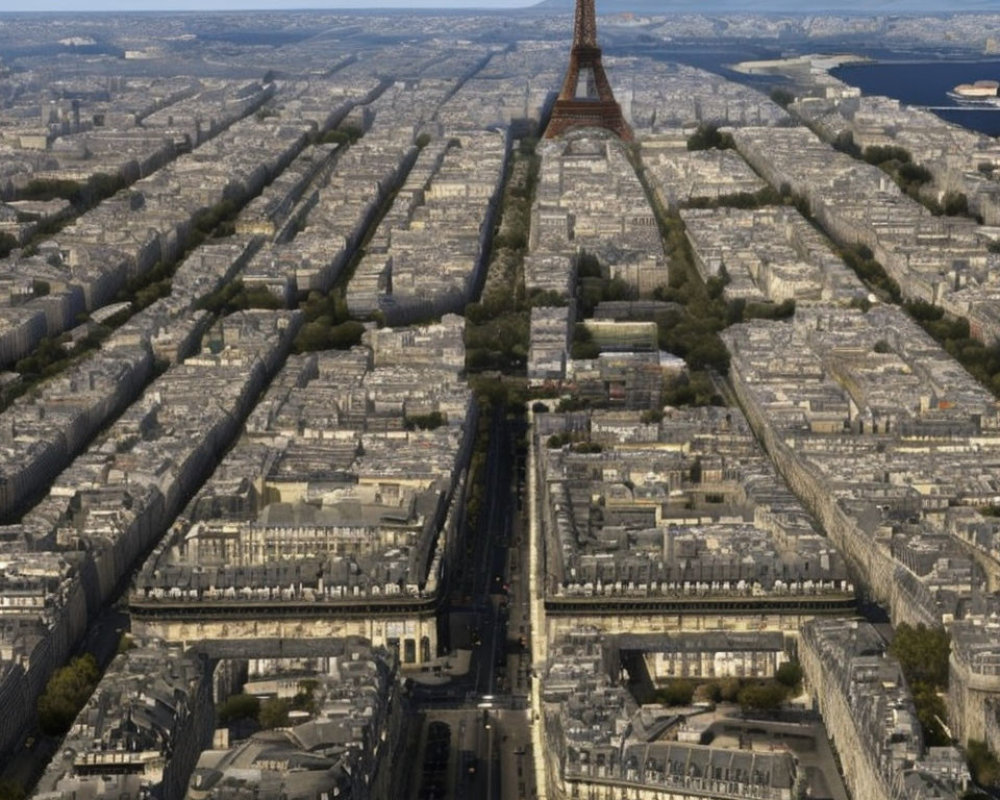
{"x": 586, "y": 100}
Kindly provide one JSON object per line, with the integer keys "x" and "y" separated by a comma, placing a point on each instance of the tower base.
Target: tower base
{"x": 570, "y": 114}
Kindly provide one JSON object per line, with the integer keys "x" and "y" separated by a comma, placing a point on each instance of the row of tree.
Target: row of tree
{"x": 53, "y": 354}
{"x": 692, "y": 330}
{"x": 66, "y": 693}
{"x": 497, "y": 326}
{"x": 752, "y": 694}
{"x": 923, "y": 655}
{"x": 911, "y": 177}
{"x": 861, "y": 259}
{"x": 955, "y": 335}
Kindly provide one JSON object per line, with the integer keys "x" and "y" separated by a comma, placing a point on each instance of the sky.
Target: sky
{"x": 205, "y": 5}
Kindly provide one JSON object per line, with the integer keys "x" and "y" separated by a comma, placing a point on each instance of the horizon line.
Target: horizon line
{"x": 196, "y": 6}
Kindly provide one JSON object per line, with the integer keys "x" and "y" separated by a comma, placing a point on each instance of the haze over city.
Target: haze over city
{"x": 863, "y": 7}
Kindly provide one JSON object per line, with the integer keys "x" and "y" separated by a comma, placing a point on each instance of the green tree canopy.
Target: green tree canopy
{"x": 983, "y": 764}
{"x": 707, "y": 137}
{"x": 676, "y": 693}
{"x": 782, "y": 96}
{"x": 238, "y": 706}
{"x": 762, "y": 696}
{"x": 66, "y": 693}
{"x": 923, "y": 654}
{"x": 789, "y": 674}
{"x": 273, "y": 713}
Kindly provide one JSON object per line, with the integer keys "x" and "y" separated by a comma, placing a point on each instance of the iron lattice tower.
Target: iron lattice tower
{"x": 586, "y": 99}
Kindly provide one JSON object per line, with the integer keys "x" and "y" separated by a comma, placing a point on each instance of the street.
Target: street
{"x": 476, "y": 738}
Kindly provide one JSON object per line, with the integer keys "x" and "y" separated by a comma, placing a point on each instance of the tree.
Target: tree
{"x": 335, "y": 137}
{"x": 762, "y": 696}
{"x": 922, "y": 653}
{"x": 332, "y": 305}
{"x": 584, "y": 345}
{"x": 715, "y": 286}
{"x": 930, "y": 711}
{"x": 783, "y": 310}
{"x": 729, "y": 689}
{"x": 708, "y": 137}
{"x": 955, "y": 204}
{"x": 709, "y": 353}
{"x": 861, "y": 259}
{"x": 782, "y": 96}
{"x": 844, "y": 142}
{"x": 304, "y": 699}
{"x": 880, "y": 155}
{"x": 789, "y": 674}
{"x": 983, "y": 765}
{"x": 922, "y": 311}
{"x": 7, "y": 244}
{"x": 66, "y": 693}
{"x": 676, "y": 693}
{"x": 767, "y": 196}
{"x": 259, "y": 297}
{"x": 51, "y": 189}
{"x": 546, "y": 298}
{"x": 220, "y": 299}
{"x": 499, "y": 343}
{"x": 424, "y": 422}
{"x": 711, "y": 691}
{"x": 11, "y": 790}
{"x": 103, "y": 185}
{"x": 237, "y": 707}
{"x": 588, "y": 266}
{"x": 914, "y": 174}
{"x": 690, "y": 389}
{"x": 321, "y": 335}
{"x": 273, "y": 713}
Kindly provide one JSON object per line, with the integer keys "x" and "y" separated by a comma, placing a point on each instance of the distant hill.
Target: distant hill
{"x": 842, "y": 7}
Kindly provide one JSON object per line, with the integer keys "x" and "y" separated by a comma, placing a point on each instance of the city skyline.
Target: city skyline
{"x": 855, "y": 7}
{"x": 378, "y": 419}
{"x": 131, "y": 6}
